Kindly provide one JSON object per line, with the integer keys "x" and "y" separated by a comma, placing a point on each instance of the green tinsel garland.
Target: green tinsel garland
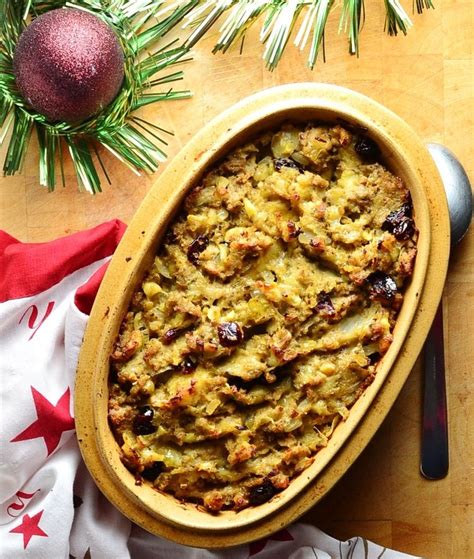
{"x": 139, "y": 24}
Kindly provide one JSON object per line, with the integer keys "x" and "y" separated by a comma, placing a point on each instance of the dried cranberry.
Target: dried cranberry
{"x": 405, "y": 230}
{"x": 382, "y": 287}
{"x": 262, "y": 493}
{"x": 367, "y": 148}
{"x": 142, "y": 424}
{"x": 325, "y": 305}
{"x": 170, "y": 335}
{"x": 286, "y": 162}
{"x": 400, "y": 222}
{"x": 188, "y": 365}
{"x": 196, "y": 247}
{"x": 230, "y": 334}
{"x": 153, "y": 471}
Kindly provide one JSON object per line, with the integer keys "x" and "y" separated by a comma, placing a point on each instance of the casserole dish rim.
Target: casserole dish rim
{"x": 218, "y": 137}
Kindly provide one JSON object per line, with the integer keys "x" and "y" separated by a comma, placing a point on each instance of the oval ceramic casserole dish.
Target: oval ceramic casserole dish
{"x": 401, "y": 153}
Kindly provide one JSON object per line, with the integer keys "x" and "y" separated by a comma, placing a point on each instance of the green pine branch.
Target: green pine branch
{"x": 141, "y": 26}
{"x": 281, "y": 18}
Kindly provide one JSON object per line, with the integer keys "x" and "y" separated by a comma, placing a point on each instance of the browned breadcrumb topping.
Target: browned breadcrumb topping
{"x": 262, "y": 319}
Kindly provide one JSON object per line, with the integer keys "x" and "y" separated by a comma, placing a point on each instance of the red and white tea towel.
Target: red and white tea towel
{"x": 50, "y": 507}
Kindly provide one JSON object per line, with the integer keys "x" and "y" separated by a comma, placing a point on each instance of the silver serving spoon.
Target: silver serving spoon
{"x": 434, "y": 447}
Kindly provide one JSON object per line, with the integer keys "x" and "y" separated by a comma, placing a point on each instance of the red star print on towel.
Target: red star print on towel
{"x": 52, "y": 420}
{"x": 281, "y": 536}
{"x": 29, "y": 527}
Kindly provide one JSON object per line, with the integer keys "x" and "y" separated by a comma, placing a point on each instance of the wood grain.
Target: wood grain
{"x": 428, "y": 79}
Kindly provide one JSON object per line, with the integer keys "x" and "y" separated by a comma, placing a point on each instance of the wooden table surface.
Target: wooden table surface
{"x": 428, "y": 79}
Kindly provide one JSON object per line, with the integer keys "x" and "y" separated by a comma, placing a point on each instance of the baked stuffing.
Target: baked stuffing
{"x": 270, "y": 302}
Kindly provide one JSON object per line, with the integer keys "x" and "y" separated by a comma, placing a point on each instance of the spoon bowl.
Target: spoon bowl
{"x": 458, "y": 190}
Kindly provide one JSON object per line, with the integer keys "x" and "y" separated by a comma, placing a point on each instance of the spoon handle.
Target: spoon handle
{"x": 434, "y": 449}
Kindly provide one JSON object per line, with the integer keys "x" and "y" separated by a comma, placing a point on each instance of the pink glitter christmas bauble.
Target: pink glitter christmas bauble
{"x": 68, "y": 65}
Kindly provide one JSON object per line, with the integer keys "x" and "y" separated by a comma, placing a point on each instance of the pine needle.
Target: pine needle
{"x": 422, "y": 5}
{"x": 351, "y": 22}
{"x": 396, "y": 18}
